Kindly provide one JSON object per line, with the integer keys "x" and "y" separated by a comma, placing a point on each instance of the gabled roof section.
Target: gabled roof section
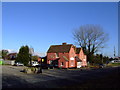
{"x": 78, "y": 59}
{"x": 78, "y": 50}
{"x": 12, "y": 54}
{"x": 59, "y": 48}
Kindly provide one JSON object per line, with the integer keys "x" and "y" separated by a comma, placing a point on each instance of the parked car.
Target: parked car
{"x": 35, "y": 63}
{"x": 115, "y": 61}
{"x": 19, "y": 64}
{"x": 101, "y": 65}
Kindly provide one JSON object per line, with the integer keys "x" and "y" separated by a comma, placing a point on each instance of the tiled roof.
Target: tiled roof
{"x": 62, "y": 48}
{"x": 59, "y": 48}
{"x": 78, "y": 59}
{"x": 12, "y": 54}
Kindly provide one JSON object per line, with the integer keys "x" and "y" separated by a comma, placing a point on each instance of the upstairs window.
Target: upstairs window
{"x": 72, "y": 63}
{"x": 72, "y": 58}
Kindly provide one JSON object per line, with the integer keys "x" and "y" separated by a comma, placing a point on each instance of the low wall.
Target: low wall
{"x": 10, "y": 62}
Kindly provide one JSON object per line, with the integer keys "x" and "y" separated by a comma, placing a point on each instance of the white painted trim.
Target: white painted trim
{"x": 84, "y": 59}
{"x": 79, "y": 64}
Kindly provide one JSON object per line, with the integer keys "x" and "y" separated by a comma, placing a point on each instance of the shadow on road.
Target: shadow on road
{"x": 9, "y": 81}
{"x": 103, "y": 78}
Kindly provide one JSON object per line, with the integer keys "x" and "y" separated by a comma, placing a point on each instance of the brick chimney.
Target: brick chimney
{"x": 64, "y": 43}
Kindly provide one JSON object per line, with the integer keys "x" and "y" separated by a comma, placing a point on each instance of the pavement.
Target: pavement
{"x": 12, "y": 77}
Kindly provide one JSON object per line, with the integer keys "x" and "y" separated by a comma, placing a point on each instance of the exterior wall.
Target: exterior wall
{"x": 76, "y": 60}
{"x": 83, "y": 57}
{"x": 72, "y": 60}
{"x": 62, "y": 60}
{"x": 52, "y": 56}
{"x": 67, "y": 64}
{"x": 10, "y": 62}
{"x": 85, "y": 61}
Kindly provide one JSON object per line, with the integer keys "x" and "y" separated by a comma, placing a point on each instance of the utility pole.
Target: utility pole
{"x": 114, "y": 52}
{"x": 40, "y": 65}
{"x": 101, "y": 56}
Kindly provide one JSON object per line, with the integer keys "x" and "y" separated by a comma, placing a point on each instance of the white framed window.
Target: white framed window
{"x": 71, "y": 58}
{"x": 72, "y": 62}
{"x": 84, "y": 59}
{"x": 62, "y": 63}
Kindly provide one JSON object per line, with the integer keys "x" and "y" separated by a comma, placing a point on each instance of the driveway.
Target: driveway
{"x": 54, "y": 78}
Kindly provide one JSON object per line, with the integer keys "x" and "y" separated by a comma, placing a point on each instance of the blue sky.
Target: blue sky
{"x": 42, "y": 24}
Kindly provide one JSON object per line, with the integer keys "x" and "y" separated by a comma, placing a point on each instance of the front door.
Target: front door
{"x": 55, "y": 63}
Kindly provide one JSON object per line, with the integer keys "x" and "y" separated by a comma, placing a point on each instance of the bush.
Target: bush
{"x": 1, "y": 62}
{"x": 31, "y": 70}
{"x": 113, "y": 64}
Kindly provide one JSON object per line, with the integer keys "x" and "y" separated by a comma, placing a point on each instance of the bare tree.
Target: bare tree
{"x": 4, "y": 54}
{"x": 90, "y": 37}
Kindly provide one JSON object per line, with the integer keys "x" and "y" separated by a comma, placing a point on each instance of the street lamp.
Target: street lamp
{"x": 40, "y": 62}
{"x": 31, "y": 51}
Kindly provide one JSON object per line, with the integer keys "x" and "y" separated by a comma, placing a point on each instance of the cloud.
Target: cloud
{"x": 39, "y": 54}
{"x": 12, "y": 51}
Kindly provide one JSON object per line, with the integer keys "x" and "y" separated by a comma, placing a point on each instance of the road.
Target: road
{"x": 57, "y": 78}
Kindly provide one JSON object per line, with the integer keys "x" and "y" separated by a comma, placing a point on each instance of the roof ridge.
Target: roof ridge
{"x": 60, "y": 48}
{"x": 62, "y": 45}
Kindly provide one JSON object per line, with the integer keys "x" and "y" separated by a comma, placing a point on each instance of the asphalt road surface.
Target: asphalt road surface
{"x": 12, "y": 77}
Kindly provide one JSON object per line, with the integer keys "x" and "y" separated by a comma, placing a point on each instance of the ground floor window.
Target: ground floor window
{"x": 62, "y": 63}
{"x": 79, "y": 64}
{"x": 72, "y": 62}
{"x": 50, "y": 61}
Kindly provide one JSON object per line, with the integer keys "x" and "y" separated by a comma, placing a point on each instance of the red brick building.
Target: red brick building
{"x": 66, "y": 56}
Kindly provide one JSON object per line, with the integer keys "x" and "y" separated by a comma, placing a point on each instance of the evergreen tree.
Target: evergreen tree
{"x": 23, "y": 56}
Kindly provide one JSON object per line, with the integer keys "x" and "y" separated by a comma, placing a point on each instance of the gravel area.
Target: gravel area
{"x": 12, "y": 77}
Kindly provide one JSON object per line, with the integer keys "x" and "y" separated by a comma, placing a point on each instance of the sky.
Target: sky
{"x": 41, "y": 24}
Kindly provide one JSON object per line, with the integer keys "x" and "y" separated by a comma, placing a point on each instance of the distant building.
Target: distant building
{"x": 66, "y": 56}
{"x": 11, "y": 56}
